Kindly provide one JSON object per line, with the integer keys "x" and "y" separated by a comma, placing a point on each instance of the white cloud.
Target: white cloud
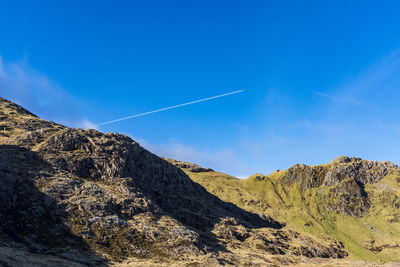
{"x": 86, "y": 124}
{"x": 243, "y": 176}
{"x": 33, "y": 90}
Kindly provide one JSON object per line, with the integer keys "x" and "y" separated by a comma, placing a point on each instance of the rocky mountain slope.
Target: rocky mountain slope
{"x": 354, "y": 201}
{"x": 72, "y": 197}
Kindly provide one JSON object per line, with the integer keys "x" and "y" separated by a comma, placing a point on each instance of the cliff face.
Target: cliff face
{"x": 91, "y": 198}
{"x": 346, "y": 179}
{"x": 361, "y": 171}
{"x": 351, "y": 200}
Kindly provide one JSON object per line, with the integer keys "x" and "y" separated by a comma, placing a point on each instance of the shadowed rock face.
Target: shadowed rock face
{"x": 29, "y": 218}
{"x": 105, "y": 194}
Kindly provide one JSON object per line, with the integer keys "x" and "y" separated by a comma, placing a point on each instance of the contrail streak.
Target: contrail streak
{"x": 162, "y": 109}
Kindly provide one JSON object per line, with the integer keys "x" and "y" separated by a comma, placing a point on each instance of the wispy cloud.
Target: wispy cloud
{"x": 339, "y": 99}
{"x": 366, "y": 124}
{"x": 371, "y": 87}
{"x": 320, "y": 126}
{"x": 224, "y": 160}
{"x": 375, "y": 77}
{"x": 24, "y": 85}
{"x": 357, "y": 117}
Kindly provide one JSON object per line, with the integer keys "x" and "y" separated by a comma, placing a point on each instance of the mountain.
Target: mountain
{"x": 73, "y": 197}
{"x": 354, "y": 201}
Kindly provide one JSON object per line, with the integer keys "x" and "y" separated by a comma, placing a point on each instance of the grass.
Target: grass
{"x": 307, "y": 211}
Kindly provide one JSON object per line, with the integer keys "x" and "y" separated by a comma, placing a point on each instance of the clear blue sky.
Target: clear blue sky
{"x": 322, "y": 78}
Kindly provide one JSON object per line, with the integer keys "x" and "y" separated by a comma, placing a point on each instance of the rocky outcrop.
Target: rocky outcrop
{"x": 361, "y": 171}
{"x": 189, "y": 166}
{"x": 345, "y": 177}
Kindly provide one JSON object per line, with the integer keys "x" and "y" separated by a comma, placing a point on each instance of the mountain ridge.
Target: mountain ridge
{"x": 95, "y": 198}
{"x": 351, "y": 200}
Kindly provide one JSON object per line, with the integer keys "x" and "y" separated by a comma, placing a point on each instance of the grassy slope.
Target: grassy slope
{"x": 305, "y": 212}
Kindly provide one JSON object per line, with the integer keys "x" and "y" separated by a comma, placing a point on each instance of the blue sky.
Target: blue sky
{"x": 322, "y": 78}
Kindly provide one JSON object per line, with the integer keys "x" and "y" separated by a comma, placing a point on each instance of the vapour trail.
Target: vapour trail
{"x": 176, "y": 106}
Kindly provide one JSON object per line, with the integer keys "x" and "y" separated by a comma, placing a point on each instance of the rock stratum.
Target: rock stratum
{"x": 73, "y": 197}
